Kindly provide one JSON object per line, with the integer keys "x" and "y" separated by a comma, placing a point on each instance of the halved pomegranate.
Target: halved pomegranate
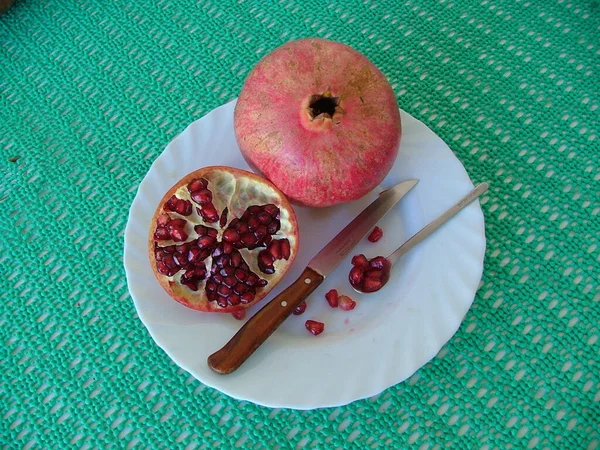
{"x": 221, "y": 239}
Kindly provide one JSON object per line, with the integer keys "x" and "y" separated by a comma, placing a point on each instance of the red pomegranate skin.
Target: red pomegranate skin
{"x": 326, "y": 159}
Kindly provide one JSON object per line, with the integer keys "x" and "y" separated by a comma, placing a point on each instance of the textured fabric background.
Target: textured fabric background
{"x": 91, "y": 92}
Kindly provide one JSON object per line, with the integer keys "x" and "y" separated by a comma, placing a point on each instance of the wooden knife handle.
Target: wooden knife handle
{"x": 263, "y": 324}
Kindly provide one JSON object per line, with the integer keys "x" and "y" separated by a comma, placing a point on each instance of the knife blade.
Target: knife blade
{"x": 340, "y": 246}
{"x": 258, "y": 329}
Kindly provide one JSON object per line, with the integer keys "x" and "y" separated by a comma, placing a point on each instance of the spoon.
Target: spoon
{"x": 369, "y": 276}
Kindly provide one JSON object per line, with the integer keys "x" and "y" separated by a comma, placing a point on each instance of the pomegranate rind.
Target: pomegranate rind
{"x": 324, "y": 160}
{"x": 235, "y": 189}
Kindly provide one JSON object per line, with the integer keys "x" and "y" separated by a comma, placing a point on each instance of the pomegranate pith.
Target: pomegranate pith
{"x": 209, "y": 232}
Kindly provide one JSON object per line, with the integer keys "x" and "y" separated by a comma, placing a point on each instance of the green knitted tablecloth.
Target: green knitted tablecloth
{"x": 91, "y": 92}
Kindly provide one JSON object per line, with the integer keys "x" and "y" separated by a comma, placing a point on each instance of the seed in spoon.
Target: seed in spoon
{"x": 369, "y": 277}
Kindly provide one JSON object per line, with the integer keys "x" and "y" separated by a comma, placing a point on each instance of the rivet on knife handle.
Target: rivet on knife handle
{"x": 263, "y": 324}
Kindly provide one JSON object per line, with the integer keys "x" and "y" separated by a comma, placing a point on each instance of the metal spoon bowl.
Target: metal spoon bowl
{"x": 421, "y": 235}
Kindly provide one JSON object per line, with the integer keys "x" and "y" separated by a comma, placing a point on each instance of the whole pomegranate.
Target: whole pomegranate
{"x": 320, "y": 121}
{"x": 221, "y": 239}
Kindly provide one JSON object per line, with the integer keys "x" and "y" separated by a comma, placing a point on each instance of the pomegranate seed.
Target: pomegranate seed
{"x": 251, "y": 280}
{"x": 230, "y": 235}
{"x": 239, "y": 315}
{"x": 172, "y": 203}
{"x": 162, "y": 268}
{"x": 223, "y": 290}
{"x": 218, "y": 278}
{"x": 265, "y": 262}
{"x": 178, "y": 234}
{"x": 375, "y": 274}
{"x": 240, "y": 274}
{"x": 227, "y": 271}
{"x": 261, "y": 283}
{"x": 234, "y": 299}
{"x": 272, "y": 210}
{"x": 241, "y": 227}
{"x": 217, "y": 251}
{"x": 274, "y": 249}
{"x": 332, "y": 298}
{"x": 360, "y": 261}
{"x": 264, "y": 218}
{"x": 184, "y": 207}
{"x": 211, "y": 286}
{"x": 206, "y": 242}
{"x": 356, "y": 276}
{"x": 162, "y": 220}
{"x": 375, "y": 235}
{"x": 247, "y": 297}
{"x": 227, "y": 248}
{"x": 197, "y": 185}
{"x": 180, "y": 258}
{"x": 169, "y": 261}
{"x": 212, "y": 233}
{"x": 162, "y": 234}
{"x": 273, "y": 227}
{"x": 201, "y": 230}
{"x": 261, "y": 232}
{"x": 240, "y": 288}
{"x": 224, "y": 260}
{"x": 285, "y": 249}
{"x": 229, "y": 281}
{"x": 183, "y": 248}
{"x": 223, "y": 219}
{"x": 176, "y": 223}
{"x": 249, "y": 240}
{"x": 222, "y": 302}
{"x": 346, "y": 303}
{"x": 253, "y": 224}
{"x": 193, "y": 255}
{"x": 254, "y": 209}
{"x": 371, "y": 285}
{"x": 236, "y": 259}
{"x": 300, "y": 309}
{"x": 169, "y": 249}
{"x": 202, "y": 197}
{"x": 378, "y": 262}
{"x": 314, "y": 327}
{"x": 209, "y": 213}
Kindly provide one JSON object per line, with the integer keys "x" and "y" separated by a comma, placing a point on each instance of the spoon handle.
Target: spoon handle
{"x": 437, "y": 223}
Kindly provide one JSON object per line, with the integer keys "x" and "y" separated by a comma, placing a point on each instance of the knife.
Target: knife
{"x": 271, "y": 316}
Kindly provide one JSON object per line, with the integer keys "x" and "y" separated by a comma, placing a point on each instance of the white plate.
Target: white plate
{"x": 383, "y": 341}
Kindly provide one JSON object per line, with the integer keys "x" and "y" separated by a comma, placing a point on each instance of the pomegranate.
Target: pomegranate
{"x": 320, "y": 121}
{"x": 221, "y": 239}
{"x": 314, "y": 327}
{"x": 346, "y": 303}
{"x": 369, "y": 275}
{"x": 332, "y": 298}
{"x": 375, "y": 235}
